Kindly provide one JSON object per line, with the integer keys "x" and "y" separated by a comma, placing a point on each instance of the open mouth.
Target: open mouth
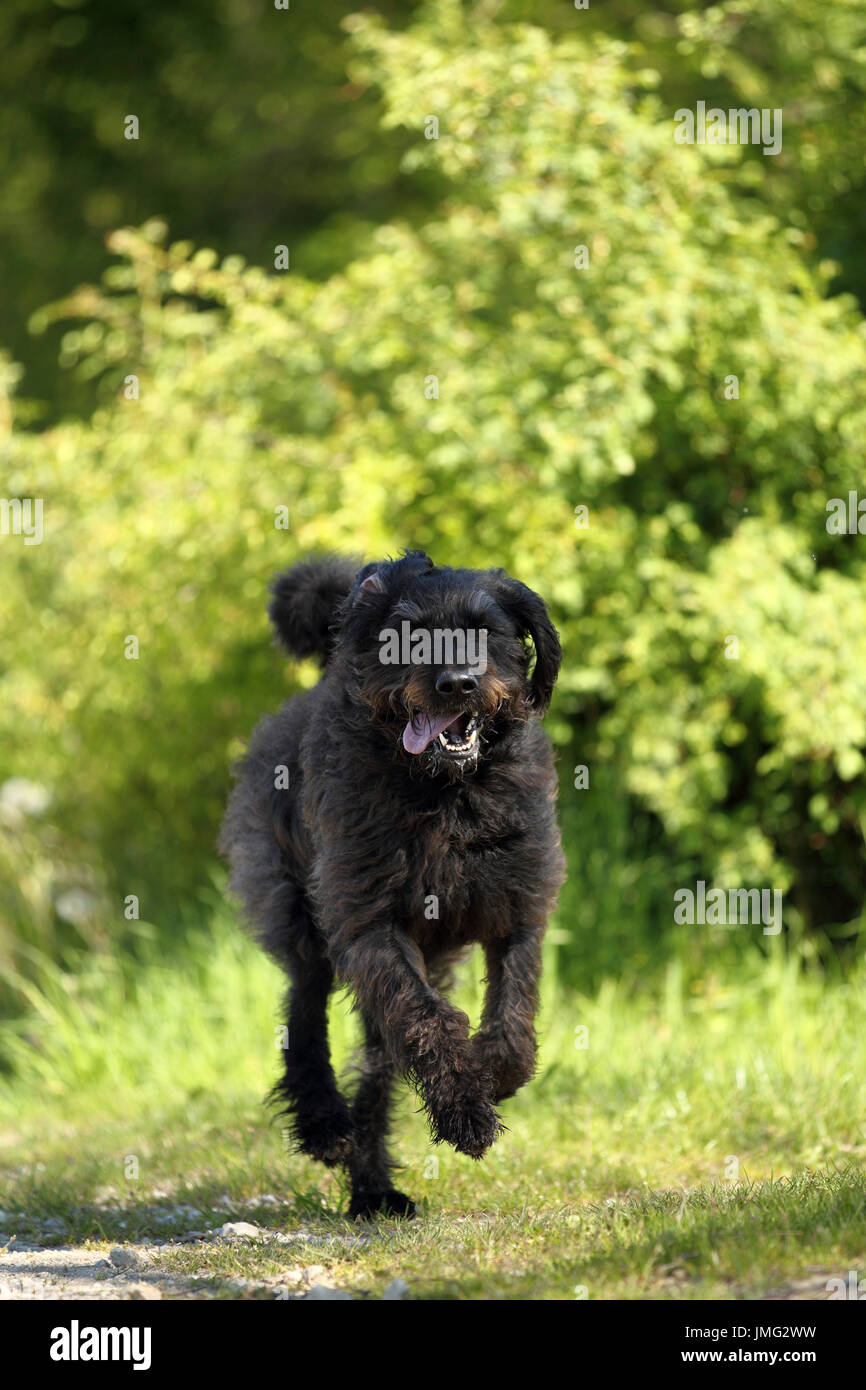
{"x": 459, "y": 738}
{"x": 453, "y": 734}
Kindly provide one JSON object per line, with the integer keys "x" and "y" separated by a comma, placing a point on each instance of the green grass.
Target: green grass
{"x": 708, "y": 1142}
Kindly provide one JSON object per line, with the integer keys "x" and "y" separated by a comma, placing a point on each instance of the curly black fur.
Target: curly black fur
{"x": 305, "y": 602}
{"x": 342, "y": 836}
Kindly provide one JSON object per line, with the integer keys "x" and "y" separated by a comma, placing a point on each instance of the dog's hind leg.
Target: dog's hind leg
{"x": 318, "y": 1114}
{"x": 369, "y": 1164}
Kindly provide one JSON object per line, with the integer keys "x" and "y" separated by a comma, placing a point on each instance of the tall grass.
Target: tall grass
{"x": 615, "y": 918}
{"x": 777, "y": 1045}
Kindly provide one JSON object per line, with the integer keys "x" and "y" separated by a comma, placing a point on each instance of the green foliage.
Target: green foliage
{"x": 249, "y": 136}
{"x": 252, "y": 134}
{"x": 810, "y": 62}
{"x": 558, "y": 388}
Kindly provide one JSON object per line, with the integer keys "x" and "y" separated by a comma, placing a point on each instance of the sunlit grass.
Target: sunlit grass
{"x": 681, "y": 1139}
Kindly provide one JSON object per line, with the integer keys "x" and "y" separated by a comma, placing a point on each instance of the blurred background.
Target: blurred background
{"x": 333, "y": 296}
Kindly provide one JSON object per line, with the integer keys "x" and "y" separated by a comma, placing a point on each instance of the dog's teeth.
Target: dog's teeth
{"x": 463, "y": 745}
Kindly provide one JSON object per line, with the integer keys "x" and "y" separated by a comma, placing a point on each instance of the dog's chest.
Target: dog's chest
{"x": 459, "y": 883}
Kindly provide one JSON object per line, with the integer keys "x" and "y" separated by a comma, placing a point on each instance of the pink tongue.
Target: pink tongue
{"x": 423, "y": 730}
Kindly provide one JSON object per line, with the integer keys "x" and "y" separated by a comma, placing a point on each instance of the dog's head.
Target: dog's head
{"x": 441, "y": 657}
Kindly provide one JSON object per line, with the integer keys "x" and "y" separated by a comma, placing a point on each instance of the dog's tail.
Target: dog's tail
{"x": 305, "y": 602}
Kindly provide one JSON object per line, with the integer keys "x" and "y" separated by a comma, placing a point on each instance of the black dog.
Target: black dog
{"x": 388, "y": 818}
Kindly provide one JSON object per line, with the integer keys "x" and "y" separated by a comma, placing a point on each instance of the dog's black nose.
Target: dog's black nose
{"x": 456, "y": 682}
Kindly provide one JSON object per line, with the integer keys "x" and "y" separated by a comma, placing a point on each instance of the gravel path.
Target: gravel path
{"x": 30, "y": 1270}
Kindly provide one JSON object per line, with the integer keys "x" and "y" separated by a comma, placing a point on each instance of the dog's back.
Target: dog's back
{"x": 263, "y": 834}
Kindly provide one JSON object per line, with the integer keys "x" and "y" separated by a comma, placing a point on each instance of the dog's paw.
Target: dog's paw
{"x": 470, "y": 1128}
{"x": 366, "y": 1205}
{"x": 504, "y": 1072}
{"x": 325, "y": 1136}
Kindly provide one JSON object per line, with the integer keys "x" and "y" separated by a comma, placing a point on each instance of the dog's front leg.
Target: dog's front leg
{"x": 426, "y": 1036}
{"x": 505, "y": 1045}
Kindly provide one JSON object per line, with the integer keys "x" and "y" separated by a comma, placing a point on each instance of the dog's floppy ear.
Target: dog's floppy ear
{"x": 528, "y": 611}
